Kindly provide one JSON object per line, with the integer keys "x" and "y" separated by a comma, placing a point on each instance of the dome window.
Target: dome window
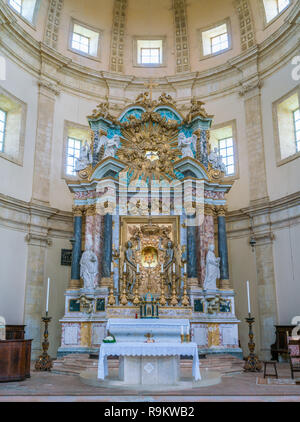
{"x": 215, "y": 39}
{"x": 149, "y": 52}
{"x": 25, "y": 8}
{"x": 84, "y": 40}
{"x": 287, "y": 129}
{"x": 274, "y": 8}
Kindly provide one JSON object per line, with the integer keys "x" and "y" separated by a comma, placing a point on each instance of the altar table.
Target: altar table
{"x": 148, "y": 363}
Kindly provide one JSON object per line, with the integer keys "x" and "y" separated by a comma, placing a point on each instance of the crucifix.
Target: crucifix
{"x": 150, "y": 85}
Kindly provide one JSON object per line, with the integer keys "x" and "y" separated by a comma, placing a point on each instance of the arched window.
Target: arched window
{"x": 274, "y": 7}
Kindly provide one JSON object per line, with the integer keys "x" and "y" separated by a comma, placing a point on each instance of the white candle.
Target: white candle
{"x": 138, "y": 268}
{"x": 124, "y": 267}
{"x": 112, "y": 267}
{"x": 47, "y": 300}
{"x": 187, "y": 329}
{"x": 181, "y": 330}
{"x": 162, "y": 268}
{"x": 184, "y": 268}
{"x": 248, "y": 296}
{"x": 173, "y": 268}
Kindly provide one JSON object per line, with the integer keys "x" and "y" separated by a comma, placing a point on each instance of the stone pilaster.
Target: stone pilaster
{"x": 43, "y": 143}
{"x": 38, "y": 241}
{"x": 192, "y": 270}
{"x": 267, "y": 303}
{"x": 255, "y": 141}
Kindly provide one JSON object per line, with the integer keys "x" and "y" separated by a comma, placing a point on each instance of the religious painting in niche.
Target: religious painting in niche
{"x": 145, "y": 241}
{"x": 100, "y": 305}
{"x": 149, "y": 257}
{"x": 66, "y": 257}
{"x": 198, "y": 305}
{"x": 74, "y": 305}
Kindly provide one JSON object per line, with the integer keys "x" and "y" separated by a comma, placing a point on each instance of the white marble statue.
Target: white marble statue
{"x": 212, "y": 269}
{"x": 185, "y": 145}
{"x": 2, "y": 328}
{"x": 85, "y": 157}
{"x": 216, "y": 160}
{"x": 110, "y": 145}
{"x": 88, "y": 268}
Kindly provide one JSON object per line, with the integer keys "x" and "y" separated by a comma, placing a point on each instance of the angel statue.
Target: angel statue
{"x": 89, "y": 268}
{"x": 185, "y": 144}
{"x": 216, "y": 160}
{"x": 212, "y": 269}
{"x": 130, "y": 261}
{"x": 85, "y": 157}
{"x": 110, "y": 145}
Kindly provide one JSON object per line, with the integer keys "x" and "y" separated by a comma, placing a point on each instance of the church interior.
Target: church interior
{"x": 149, "y": 200}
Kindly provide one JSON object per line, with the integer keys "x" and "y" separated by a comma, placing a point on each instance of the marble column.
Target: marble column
{"x": 98, "y": 229}
{"x": 192, "y": 270}
{"x": 43, "y": 142}
{"x": 107, "y": 250}
{"x": 222, "y": 248}
{"x": 205, "y": 236}
{"x": 76, "y": 252}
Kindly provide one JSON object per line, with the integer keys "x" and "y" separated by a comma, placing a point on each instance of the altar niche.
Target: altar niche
{"x": 144, "y": 246}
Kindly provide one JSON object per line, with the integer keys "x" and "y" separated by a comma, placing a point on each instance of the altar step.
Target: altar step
{"x": 73, "y": 364}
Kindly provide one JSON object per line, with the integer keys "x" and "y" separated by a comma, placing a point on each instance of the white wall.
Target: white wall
{"x": 13, "y": 256}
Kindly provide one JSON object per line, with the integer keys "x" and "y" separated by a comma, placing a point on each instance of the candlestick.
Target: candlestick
{"x": 47, "y": 299}
{"x": 252, "y": 364}
{"x": 44, "y": 362}
{"x": 248, "y": 297}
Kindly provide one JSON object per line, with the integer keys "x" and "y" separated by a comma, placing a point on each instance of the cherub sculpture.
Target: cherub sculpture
{"x": 216, "y": 160}
{"x": 185, "y": 145}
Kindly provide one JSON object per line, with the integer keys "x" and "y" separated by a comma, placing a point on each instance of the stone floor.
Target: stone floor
{"x": 54, "y": 387}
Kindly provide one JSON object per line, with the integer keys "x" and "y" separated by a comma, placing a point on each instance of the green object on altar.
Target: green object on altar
{"x": 110, "y": 338}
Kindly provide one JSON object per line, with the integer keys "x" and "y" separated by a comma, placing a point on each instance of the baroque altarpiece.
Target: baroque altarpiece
{"x": 149, "y": 207}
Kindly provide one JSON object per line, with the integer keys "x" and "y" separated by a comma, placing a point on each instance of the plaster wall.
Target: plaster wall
{"x": 13, "y": 255}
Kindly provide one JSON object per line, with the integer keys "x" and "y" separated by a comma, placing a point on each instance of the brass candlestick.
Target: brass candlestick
{"x": 182, "y": 338}
{"x": 162, "y": 299}
{"x": 174, "y": 300}
{"x": 111, "y": 297}
{"x": 252, "y": 364}
{"x": 124, "y": 300}
{"x": 185, "y": 299}
{"x": 44, "y": 362}
{"x": 136, "y": 299}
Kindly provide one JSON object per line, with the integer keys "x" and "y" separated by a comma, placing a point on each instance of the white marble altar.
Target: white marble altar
{"x": 148, "y": 363}
{"x": 161, "y": 330}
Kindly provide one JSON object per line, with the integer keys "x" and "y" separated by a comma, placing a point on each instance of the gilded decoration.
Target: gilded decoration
{"x": 149, "y": 241}
{"x": 152, "y": 138}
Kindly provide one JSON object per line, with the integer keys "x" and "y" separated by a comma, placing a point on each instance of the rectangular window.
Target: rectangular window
{"x": 150, "y": 55}
{"x": 3, "y": 116}
{"x": 227, "y": 154}
{"x": 296, "y": 115}
{"x": 84, "y": 40}
{"x": 274, "y": 7}
{"x": 73, "y": 152}
{"x": 81, "y": 43}
{"x": 17, "y": 5}
{"x": 216, "y": 39}
{"x": 149, "y": 52}
{"x": 219, "y": 43}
